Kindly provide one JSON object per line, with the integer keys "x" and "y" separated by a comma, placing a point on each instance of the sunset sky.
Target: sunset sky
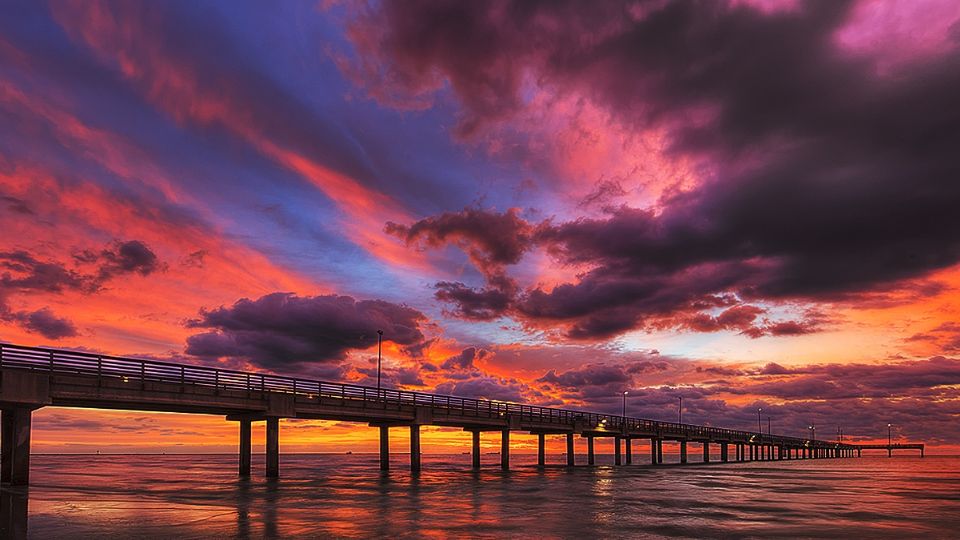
{"x": 744, "y": 203}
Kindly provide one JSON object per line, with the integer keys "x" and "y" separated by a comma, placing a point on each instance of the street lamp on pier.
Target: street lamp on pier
{"x": 680, "y": 411}
{"x": 624, "y": 405}
{"x": 759, "y": 425}
{"x": 379, "y": 357}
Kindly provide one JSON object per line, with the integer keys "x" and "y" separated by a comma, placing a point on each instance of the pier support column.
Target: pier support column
{"x": 415, "y": 448}
{"x": 859, "y": 452}
{"x": 273, "y": 447}
{"x": 706, "y": 452}
{"x": 653, "y": 451}
{"x": 15, "y": 459}
{"x": 384, "y": 448}
{"x": 505, "y": 449}
{"x": 245, "y": 447}
{"x": 724, "y": 452}
{"x": 659, "y": 451}
{"x": 683, "y": 451}
{"x": 476, "y": 450}
{"x": 571, "y": 455}
{"x": 616, "y": 451}
{"x": 590, "y": 458}
{"x": 541, "y": 450}
{"x": 628, "y": 450}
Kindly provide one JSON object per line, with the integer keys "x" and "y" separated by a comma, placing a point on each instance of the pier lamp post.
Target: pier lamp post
{"x": 768, "y": 426}
{"x": 889, "y": 436}
{"x": 379, "y": 358}
{"x": 759, "y": 425}
{"x": 680, "y": 411}
{"x": 624, "y": 405}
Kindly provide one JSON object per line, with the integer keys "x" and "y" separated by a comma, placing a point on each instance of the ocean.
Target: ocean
{"x": 346, "y": 496}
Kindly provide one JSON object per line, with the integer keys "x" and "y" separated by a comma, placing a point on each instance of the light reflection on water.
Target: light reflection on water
{"x": 347, "y": 496}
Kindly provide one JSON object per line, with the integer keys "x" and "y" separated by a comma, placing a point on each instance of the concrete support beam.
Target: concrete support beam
{"x": 15, "y": 426}
{"x": 541, "y": 449}
{"x": 653, "y": 451}
{"x": 590, "y": 456}
{"x": 505, "y": 449}
{"x": 628, "y": 450}
{"x": 415, "y": 448}
{"x": 245, "y": 447}
{"x": 384, "y": 448}
{"x": 616, "y": 451}
{"x": 706, "y": 452}
{"x": 476, "y": 450}
{"x": 571, "y": 454}
{"x": 273, "y": 447}
{"x": 683, "y": 451}
{"x": 724, "y": 452}
{"x": 659, "y": 451}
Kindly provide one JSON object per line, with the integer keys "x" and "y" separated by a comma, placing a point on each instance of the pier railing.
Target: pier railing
{"x": 132, "y": 370}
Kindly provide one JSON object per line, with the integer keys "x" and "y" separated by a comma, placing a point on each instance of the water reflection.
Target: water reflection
{"x": 346, "y": 496}
{"x": 13, "y": 512}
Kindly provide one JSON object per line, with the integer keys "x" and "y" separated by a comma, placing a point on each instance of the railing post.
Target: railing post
{"x": 216, "y": 382}
{"x": 51, "y": 361}
{"x": 143, "y": 376}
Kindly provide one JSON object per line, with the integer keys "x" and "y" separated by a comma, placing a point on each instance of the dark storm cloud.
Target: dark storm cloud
{"x": 128, "y": 258}
{"x": 281, "y": 329}
{"x": 828, "y": 181}
{"x": 492, "y": 240}
{"x": 479, "y": 304}
{"x": 23, "y": 272}
{"x": 465, "y": 359}
{"x": 42, "y": 321}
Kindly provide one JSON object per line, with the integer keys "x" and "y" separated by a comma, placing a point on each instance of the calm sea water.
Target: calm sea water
{"x": 346, "y": 496}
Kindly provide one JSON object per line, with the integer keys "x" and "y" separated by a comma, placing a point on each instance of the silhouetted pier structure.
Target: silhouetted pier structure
{"x": 32, "y": 377}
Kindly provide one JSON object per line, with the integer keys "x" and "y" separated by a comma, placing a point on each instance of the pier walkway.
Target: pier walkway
{"x": 32, "y": 377}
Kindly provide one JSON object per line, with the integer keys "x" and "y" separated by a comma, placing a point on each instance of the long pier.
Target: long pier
{"x": 32, "y": 377}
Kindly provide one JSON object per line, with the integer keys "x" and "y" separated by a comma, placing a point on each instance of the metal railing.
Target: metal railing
{"x": 132, "y": 370}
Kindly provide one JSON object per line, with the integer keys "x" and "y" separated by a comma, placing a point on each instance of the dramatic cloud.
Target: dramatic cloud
{"x": 491, "y": 240}
{"x": 42, "y": 321}
{"x": 465, "y": 359}
{"x": 23, "y": 272}
{"x": 281, "y": 330}
{"x": 125, "y": 258}
{"x": 825, "y": 179}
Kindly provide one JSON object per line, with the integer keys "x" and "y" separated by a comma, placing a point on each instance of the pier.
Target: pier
{"x": 32, "y": 377}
